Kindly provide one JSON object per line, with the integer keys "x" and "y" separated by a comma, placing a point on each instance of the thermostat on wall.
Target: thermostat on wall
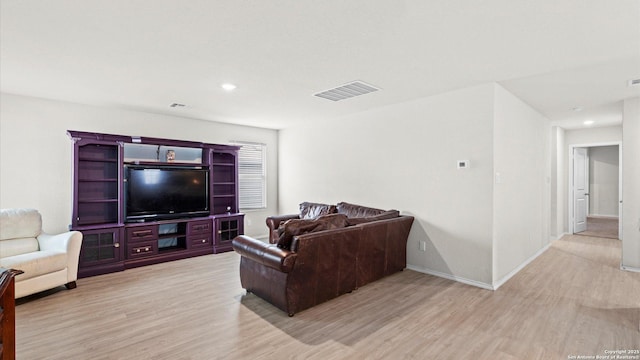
{"x": 463, "y": 164}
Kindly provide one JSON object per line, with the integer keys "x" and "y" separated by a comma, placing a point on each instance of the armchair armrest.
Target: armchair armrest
{"x": 273, "y": 222}
{"x": 266, "y": 254}
{"x": 68, "y": 242}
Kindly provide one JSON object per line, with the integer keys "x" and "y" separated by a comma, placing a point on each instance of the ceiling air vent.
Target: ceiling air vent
{"x": 634, "y": 82}
{"x": 355, "y": 88}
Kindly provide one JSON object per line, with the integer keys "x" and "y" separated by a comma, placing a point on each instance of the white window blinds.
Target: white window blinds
{"x": 252, "y": 175}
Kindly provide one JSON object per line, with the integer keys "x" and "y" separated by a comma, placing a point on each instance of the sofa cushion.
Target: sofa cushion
{"x": 389, "y": 214}
{"x": 295, "y": 227}
{"x": 14, "y": 247}
{"x": 20, "y": 223}
{"x": 310, "y": 210}
{"x": 36, "y": 263}
{"x": 357, "y": 211}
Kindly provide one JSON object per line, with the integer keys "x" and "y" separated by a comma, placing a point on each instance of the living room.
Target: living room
{"x": 479, "y": 225}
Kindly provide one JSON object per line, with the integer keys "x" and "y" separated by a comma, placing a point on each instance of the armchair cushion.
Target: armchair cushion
{"x": 37, "y": 263}
{"x": 20, "y": 223}
{"x": 13, "y": 247}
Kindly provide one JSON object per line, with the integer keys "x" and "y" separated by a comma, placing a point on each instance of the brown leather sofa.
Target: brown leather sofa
{"x": 323, "y": 264}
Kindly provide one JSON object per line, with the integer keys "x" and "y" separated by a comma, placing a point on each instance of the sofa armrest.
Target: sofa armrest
{"x": 266, "y": 254}
{"x": 273, "y": 222}
{"x": 68, "y": 242}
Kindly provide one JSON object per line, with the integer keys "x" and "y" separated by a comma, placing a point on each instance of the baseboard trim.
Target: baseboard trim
{"x": 450, "y": 277}
{"x": 629, "y": 268}
{"x": 497, "y": 284}
{"x": 558, "y": 237}
{"x": 597, "y": 216}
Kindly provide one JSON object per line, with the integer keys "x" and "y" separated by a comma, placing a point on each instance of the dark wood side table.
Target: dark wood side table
{"x": 8, "y": 314}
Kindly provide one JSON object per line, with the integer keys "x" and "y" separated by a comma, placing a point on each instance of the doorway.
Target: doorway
{"x": 595, "y": 178}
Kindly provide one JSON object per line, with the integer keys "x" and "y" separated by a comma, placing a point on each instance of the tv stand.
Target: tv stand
{"x": 160, "y": 241}
{"x": 113, "y": 243}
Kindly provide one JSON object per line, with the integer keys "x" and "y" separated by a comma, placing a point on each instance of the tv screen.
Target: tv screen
{"x": 166, "y": 192}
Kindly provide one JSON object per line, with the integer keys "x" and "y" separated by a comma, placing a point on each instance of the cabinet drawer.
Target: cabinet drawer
{"x": 200, "y": 241}
{"x": 142, "y": 233}
{"x": 200, "y": 227}
{"x": 142, "y": 249}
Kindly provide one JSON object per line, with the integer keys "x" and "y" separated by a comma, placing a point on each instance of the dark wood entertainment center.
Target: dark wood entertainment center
{"x": 112, "y": 241}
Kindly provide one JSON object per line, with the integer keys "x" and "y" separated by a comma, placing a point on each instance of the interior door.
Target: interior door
{"x": 580, "y": 189}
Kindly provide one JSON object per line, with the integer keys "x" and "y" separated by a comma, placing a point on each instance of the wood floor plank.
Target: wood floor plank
{"x": 572, "y": 300}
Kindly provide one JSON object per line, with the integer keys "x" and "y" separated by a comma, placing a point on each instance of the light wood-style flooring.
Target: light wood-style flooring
{"x": 601, "y": 227}
{"x": 572, "y": 300}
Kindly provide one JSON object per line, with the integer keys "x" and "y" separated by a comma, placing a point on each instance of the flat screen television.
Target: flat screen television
{"x": 165, "y": 192}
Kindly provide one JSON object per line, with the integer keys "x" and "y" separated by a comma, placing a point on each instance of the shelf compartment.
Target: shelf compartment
{"x": 221, "y": 204}
{"x": 96, "y": 190}
{"x": 97, "y": 212}
{"x": 98, "y": 152}
{"x": 97, "y": 170}
{"x": 223, "y": 175}
{"x": 222, "y": 158}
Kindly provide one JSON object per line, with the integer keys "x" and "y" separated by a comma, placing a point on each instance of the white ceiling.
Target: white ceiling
{"x": 148, "y": 54}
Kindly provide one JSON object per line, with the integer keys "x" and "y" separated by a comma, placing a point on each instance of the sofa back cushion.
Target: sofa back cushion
{"x": 357, "y": 211}
{"x": 309, "y": 210}
{"x": 19, "y": 223}
{"x": 295, "y": 227}
{"x": 389, "y": 214}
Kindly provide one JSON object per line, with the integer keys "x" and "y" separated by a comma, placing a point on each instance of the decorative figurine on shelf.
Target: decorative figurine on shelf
{"x": 171, "y": 155}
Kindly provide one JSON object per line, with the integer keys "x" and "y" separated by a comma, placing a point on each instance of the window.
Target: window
{"x": 252, "y": 175}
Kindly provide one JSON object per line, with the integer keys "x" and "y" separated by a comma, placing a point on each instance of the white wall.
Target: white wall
{"x": 588, "y": 136}
{"x": 604, "y": 180}
{"x": 521, "y": 195}
{"x": 36, "y": 154}
{"x": 631, "y": 185}
{"x": 404, "y": 157}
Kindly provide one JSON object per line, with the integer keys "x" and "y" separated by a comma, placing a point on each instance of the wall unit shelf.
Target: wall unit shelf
{"x": 111, "y": 243}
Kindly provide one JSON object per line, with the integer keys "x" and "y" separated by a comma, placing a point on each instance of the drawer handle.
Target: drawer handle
{"x": 142, "y": 233}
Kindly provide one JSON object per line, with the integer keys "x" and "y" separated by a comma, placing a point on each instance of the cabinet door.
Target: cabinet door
{"x": 100, "y": 247}
{"x": 227, "y": 228}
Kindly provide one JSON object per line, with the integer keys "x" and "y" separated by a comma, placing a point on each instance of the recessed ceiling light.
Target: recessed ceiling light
{"x": 588, "y": 122}
{"x": 577, "y": 108}
{"x": 228, "y": 86}
{"x": 633, "y": 82}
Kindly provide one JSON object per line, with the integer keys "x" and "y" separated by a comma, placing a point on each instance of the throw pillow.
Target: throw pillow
{"x": 294, "y": 227}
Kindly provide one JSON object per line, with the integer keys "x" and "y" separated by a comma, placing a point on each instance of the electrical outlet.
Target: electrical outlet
{"x": 422, "y": 246}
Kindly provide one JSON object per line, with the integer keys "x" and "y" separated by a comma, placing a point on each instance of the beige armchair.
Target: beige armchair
{"x": 48, "y": 261}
